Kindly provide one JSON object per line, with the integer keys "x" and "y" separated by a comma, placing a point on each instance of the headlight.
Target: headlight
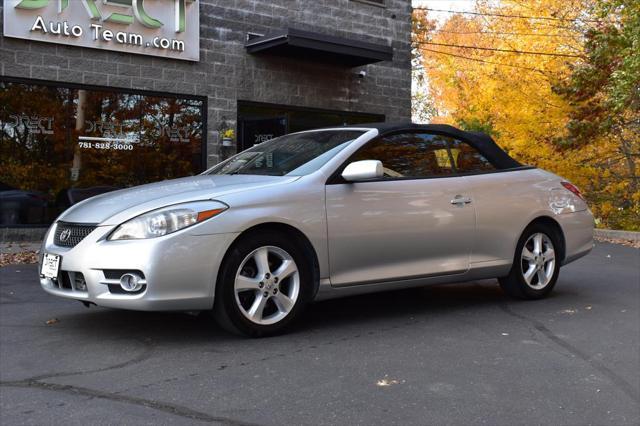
{"x": 167, "y": 220}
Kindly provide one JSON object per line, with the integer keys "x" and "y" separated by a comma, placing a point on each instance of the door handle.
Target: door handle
{"x": 459, "y": 200}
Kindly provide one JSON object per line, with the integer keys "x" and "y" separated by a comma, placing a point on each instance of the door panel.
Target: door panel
{"x": 398, "y": 229}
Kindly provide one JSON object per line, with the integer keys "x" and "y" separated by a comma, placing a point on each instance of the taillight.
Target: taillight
{"x": 571, "y": 187}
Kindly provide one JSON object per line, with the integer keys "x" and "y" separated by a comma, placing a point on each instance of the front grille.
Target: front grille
{"x": 71, "y": 281}
{"x": 70, "y": 234}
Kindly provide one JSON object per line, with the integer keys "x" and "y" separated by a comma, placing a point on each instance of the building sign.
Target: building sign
{"x": 168, "y": 28}
{"x": 254, "y": 132}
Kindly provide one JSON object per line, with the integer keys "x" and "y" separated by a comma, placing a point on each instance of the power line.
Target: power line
{"x": 504, "y": 33}
{"x": 504, "y": 15}
{"x": 483, "y": 61}
{"x": 494, "y": 49}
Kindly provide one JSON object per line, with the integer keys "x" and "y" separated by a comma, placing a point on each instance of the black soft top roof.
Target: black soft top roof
{"x": 481, "y": 141}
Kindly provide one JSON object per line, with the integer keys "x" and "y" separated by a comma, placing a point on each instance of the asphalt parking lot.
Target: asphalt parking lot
{"x": 446, "y": 355}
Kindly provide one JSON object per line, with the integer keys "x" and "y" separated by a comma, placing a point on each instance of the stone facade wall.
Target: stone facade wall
{"x": 226, "y": 73}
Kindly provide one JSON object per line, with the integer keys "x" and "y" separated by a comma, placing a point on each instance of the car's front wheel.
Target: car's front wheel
{"x": 536, "y": 264}
{"x": 264, "y": 284}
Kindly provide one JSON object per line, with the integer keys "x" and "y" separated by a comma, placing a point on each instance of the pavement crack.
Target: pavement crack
{"x": 618, "y": 381}
{"x": 143, "y": 356}
{"x": 174, "y": 409}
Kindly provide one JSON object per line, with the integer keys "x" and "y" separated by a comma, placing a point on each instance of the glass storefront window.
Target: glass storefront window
{"x": 259, "y": 122}
{"x": 61, "y": 145}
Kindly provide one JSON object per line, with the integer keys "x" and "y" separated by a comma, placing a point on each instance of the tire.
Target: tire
{"x": 264, "y": 284}
{"x": 535, "y": 270}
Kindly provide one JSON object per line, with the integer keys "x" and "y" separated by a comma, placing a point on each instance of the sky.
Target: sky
{"x": 457, "y": 5}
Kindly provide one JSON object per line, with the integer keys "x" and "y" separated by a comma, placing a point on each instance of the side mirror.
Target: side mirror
{"x": 363, "y": 170}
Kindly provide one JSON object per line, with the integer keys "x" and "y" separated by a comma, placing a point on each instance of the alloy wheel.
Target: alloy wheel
{"x": 267, "y": 285}
{"x": 538, "y": 261}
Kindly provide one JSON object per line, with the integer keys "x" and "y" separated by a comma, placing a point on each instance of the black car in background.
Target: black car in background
{"x": 20, "y": 207}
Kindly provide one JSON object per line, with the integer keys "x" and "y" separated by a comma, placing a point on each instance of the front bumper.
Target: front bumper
{"x": 180, "y": 270}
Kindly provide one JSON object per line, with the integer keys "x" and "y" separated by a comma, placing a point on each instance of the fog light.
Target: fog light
{"x": 130, "y": 282}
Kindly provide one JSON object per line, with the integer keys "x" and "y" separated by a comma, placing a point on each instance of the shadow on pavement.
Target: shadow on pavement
{"x": 428, "y": 303}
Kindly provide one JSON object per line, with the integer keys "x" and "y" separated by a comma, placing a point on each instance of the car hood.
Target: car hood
{"x": 115, "y": 207}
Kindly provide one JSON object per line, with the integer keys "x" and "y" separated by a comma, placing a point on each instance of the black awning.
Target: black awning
{"x": 317, "y": 47}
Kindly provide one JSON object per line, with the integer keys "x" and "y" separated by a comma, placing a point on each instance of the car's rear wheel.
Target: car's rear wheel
{"x": 265, "y": 282}
{"x": 536, "y": 264}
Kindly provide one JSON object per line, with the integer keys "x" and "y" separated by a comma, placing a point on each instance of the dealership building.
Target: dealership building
{"x": 104, "y": 94}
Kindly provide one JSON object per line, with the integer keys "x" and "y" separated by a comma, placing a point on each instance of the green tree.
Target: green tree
{"x": 604, "y": 92}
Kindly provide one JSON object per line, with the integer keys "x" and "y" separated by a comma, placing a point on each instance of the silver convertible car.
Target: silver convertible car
{"x": 316, "y": 215}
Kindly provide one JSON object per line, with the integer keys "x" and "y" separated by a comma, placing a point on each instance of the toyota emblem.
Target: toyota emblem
{"x": 64, "y": 235}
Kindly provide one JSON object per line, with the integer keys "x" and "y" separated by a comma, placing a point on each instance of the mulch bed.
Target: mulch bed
{"x": 628, "y": 243}
{"x": 18, "y": 258}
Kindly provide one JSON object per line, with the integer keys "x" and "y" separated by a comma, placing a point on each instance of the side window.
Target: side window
{"x": 467, "y": 159}
{"x": 410, "y": 155}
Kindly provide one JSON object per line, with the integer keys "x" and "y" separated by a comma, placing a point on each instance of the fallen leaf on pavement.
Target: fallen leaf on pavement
{"x": 53, "y": 321}
{"x": 387, "y": 382}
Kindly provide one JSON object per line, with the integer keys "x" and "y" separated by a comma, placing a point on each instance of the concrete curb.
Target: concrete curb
{"x": 15, "y": 247}
{"x": 618, "y": 235}
{"x": 30, "y": 235}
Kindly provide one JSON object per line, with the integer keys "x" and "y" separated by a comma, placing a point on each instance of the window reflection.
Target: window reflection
{"x": 410, "y": 155}
{"x": 418, "y": 155}
{"x": 59, "y": 146}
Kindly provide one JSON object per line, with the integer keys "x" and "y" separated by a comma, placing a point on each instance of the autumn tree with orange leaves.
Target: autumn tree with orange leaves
{"x": 556, "y": 83}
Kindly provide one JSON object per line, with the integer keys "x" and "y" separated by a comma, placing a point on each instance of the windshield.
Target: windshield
{"x": 293, "y": 155}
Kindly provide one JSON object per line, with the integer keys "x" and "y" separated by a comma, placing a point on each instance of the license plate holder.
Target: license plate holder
{"x": 51, "y": 265}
